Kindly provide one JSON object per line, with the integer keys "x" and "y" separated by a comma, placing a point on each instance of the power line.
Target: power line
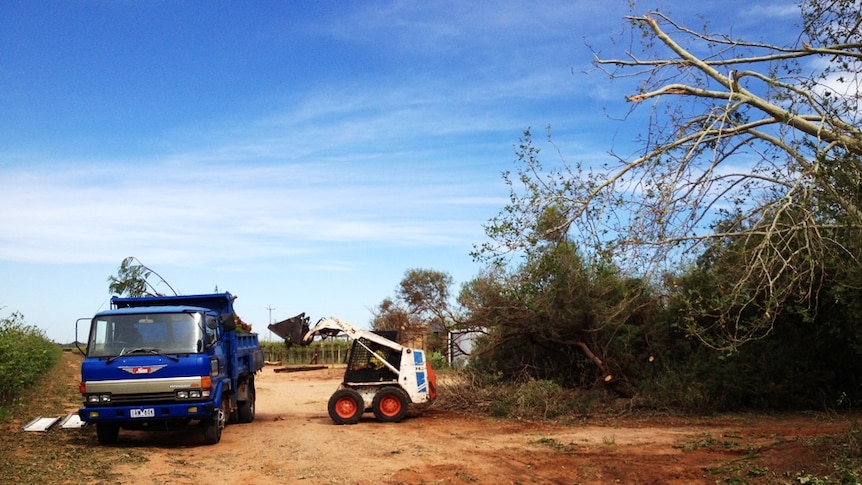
{"x": 270, "y": 308}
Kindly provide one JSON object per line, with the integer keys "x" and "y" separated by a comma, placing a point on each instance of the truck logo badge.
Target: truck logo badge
{"x": 143, "y": 369}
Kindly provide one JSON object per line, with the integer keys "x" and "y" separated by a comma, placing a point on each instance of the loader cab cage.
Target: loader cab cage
{"x": 366, "y": 367}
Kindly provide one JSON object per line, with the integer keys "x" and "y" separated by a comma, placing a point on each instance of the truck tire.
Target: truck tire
{"x": 107, "y": 433}
{"x": 390, "y": 405}
{"x": 346, "y": 406}
{"x": 213, "y": 426}
{"x": 245, "y": 409}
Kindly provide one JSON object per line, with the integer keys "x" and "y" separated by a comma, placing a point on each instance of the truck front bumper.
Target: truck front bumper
{"x": 147, "y": 412}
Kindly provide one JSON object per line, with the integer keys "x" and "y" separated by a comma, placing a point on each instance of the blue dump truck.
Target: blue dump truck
{"x": 167, "y": 361}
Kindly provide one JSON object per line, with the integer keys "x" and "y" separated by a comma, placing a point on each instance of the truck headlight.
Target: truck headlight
{"x": 189, "y": 394}
{"x": 97, "y": 398}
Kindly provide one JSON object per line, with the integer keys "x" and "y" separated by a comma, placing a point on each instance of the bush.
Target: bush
{"x": 25, "y": 353}
{"x": 543, "y": 399}
{"x": 474, "y": 391}
{"x": 438, "y": 361}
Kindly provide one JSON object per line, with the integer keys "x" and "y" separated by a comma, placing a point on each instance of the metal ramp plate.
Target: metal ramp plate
{"x": 41, "y": 424}
{"x": 72, "y": 421}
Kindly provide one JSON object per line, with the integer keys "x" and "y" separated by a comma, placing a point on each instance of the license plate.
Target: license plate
{"x": 143, "y": 413}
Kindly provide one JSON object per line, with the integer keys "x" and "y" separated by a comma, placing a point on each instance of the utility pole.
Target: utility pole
{"x": 270, "y": 308}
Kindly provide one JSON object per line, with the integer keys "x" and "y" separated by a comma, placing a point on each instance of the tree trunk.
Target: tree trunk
{"x": 618, "y": 386}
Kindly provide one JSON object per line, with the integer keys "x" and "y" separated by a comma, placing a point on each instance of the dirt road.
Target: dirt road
{"x": 292, "y": 440}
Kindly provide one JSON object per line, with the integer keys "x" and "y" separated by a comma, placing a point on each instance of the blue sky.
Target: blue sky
{"x": 301, "y": 155}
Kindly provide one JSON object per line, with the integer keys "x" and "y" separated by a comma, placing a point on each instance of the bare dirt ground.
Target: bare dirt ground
{"x": 293, "y": 440}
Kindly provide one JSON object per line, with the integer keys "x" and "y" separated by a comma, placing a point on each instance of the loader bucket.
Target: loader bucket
{"x": 291, "y": 330}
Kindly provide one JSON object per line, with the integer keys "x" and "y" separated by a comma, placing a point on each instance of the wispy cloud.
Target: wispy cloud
{"x": 198, "y": 209}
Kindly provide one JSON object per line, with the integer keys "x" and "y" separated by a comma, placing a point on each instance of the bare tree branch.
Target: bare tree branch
{"x": 755, "y": 150}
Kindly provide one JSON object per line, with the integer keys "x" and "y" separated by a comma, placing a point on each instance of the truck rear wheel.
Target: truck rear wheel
{"x": 390, "y": 405}
{"x": 346, "y": 406}
{"x": 107, "y": 433}
{"x": 245, "y": 409}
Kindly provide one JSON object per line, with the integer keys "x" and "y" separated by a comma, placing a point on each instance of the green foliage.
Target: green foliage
{"x": 390, "y": 315}
{"x": 25, "y": 353}
{"x": 560, "y": 317}
{"x": 330, "y": 351}
{"x": 808, "y": 357}
{"x": 542, "y": 398}
{"x": 132, "y": 279}
{"x": 438, "y": 361}
{"x": 474, "y": 391}
{"x": 425, "y": 292}
{"x": 542, "y": 314}
{"x": 420, "y": 311}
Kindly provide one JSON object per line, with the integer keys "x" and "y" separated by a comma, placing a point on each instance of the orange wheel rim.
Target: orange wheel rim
{"x": 345, "y": 407}
{"x": 390, "y": 406}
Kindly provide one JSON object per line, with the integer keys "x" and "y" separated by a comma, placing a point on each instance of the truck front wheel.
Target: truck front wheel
{"x": 213, "y": 426}
{"x": 390, "y": 405}
{"x": 107, "y": 433}
{"x": 346, "y": 406}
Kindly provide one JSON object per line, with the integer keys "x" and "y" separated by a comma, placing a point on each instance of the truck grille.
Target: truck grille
{"x": 149, "y": 398}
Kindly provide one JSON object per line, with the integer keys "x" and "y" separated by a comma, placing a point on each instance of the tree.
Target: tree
{"x": 390, "y": 315}
{"x": 558, "y": 316}
{"x": 752, "y": 152}
{"x": 132, "y": 279}
{"x": 426, "y": 294}
{"x": 421, "y": 308}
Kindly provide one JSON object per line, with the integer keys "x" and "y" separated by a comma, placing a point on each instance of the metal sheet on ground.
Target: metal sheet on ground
{"x": 72, "y": 421}
{"x": 41, "y": 424}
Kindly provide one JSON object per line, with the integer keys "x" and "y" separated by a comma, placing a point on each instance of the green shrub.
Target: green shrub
{"x": 25, "y": 354}
{"x": 472, "y": 391}
{"x": 542, "y": 399}
{"x": 438, "y": 361}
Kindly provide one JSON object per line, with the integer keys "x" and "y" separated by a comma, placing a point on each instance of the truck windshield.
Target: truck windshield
{"x": 163, "y": 333}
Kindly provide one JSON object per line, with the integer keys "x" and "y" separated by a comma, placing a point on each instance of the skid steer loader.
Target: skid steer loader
{"x": 382, "y": 376}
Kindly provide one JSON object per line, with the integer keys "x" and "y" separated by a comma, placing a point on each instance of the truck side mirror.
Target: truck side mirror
{"x": 228, "y": 322}
{"x": 77, "y": 342}
{"x": 210, "y": 334}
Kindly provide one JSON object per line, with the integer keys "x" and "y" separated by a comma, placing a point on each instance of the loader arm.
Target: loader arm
{"x": 331, "y": 326}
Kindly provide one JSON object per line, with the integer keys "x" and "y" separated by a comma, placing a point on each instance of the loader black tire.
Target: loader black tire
{"x": 390, "y": 405}
{"x": 346, "y": 406}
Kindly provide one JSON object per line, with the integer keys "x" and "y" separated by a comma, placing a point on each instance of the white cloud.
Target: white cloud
{"x": 208, "y": 212}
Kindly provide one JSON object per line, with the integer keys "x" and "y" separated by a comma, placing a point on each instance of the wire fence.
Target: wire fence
{"x": 326, "y": 353}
